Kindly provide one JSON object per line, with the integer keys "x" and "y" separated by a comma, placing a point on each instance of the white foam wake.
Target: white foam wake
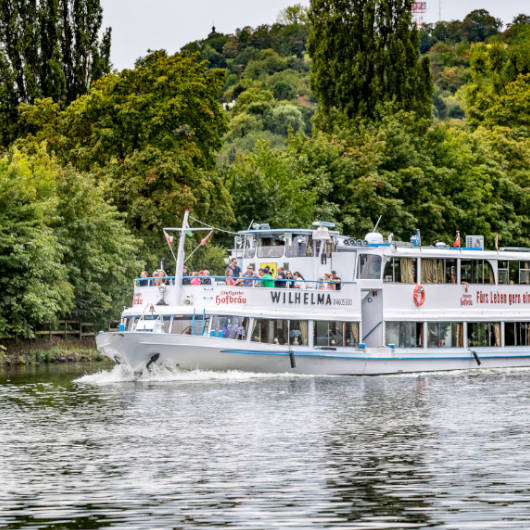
{"x": 159, "y": 373}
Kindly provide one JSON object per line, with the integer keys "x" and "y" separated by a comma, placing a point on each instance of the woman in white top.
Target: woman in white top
{"x": 299, "y": 283}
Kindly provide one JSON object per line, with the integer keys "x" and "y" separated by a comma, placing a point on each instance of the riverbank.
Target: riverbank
{"x": 19, "y": 352}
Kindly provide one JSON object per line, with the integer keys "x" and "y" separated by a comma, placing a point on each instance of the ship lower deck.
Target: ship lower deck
{"x": 140, "y": 349}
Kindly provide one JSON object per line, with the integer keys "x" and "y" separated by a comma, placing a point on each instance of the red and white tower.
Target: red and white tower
{"x": 418, "y": 10}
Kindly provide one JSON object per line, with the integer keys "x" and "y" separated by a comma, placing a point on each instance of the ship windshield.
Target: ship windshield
{"x": 270, "y": 247}
{"x": 299, "y": 247}
{"x": 369, "y": 267}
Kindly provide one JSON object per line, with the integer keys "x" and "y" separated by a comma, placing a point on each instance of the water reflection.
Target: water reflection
{"x": 173, "y": 450}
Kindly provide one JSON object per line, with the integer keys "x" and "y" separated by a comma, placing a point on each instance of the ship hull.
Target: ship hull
{"x": 140, "y": 350}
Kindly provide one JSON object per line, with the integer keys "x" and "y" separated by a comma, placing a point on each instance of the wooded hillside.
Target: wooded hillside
{"x": 339, "y": 112}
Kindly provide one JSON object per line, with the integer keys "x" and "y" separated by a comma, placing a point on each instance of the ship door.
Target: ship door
{"x": 372, "y": 315}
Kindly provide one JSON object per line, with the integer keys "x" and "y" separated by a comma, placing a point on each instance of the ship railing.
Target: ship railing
{"x": 221, "y": 281}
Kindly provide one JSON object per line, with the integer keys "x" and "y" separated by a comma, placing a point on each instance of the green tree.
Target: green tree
{"x": 416, "y": 173}
{"x": 478, "y": 25}
{"x": 166, "y": 101}
{"x": 99, "y": 250}
{"x": 50, "y": 48}
{"x": 499, "y": 91}
{"x": 295, "y": 14}
{"x": 265, "y": 185}
{"x": 365, "y": 53}
{"x": 33, "y": 277}
{"x": 64, "y": 251}
{"x": 149, "y": 135}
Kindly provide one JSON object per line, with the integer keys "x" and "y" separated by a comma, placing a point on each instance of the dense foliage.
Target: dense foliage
{"x": 427, "y": 127}
{"x": 64, "y": 251}
{"x": 49, "y": 48}
{"x": 365, "y": 53}
{"x": 149, "y": 136}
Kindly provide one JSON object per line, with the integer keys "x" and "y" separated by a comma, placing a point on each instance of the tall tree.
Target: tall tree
{"x": 48, "y": 48}
{"x": 366, "y": 52}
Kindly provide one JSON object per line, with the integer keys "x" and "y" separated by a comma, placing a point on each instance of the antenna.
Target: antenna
{"x": 377, "y": 224}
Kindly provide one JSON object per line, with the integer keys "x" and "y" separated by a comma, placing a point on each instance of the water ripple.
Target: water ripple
{"x": 261, "y": 451}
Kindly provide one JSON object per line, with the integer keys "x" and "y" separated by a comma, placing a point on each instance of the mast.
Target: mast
{"x": 180, "y": 258}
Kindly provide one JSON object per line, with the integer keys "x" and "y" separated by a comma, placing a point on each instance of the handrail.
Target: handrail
{"x": 171, "y": 279}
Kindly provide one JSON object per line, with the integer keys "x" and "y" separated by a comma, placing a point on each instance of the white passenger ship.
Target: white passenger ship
{"x": 400, "y": 308}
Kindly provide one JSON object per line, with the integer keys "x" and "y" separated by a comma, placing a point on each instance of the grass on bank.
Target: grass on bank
{"x": 37, "y": 351}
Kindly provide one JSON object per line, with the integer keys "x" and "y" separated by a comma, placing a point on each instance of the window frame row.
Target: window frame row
{"x": 456, "y": 334}
{"x": 442, "y": 270}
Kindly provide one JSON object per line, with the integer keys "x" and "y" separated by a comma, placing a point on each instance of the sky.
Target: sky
{"x": 139, "y": 25}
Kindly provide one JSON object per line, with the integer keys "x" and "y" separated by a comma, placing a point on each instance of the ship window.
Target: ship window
{"x": 298, "y": 332}
{"x": 273, "y": 331}
{"x": 369, "y": 267}
{"x": 503, "y": 272}
{"x": 400, "y": 270}
{"x": 181, "y": 324}
{"x": 331, "y": 333}
{"x": 483, "y": 334}
{"x": 517, "y": 334}
{"x": 438, "y": 270}
{"x": 524, "y": 272}
{"x": 476, "y": 271}
{"x": 405, "y": 334}
{"x": 300, "y": 247}
{"x": 229, "y": 327}
{"x": 130, "y": 323}
{"x": 270, "y": 247}
{"x": 330, "y": 247}
{"x": 445, "y": 334}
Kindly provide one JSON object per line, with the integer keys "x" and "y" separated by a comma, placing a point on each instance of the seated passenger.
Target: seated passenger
{"x": 195, "y": 279}
{"x": 289, "y": 276}
{"x": 229, "y": 277}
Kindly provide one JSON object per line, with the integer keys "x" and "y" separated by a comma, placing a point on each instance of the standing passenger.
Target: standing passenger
{"x": 267, "y": 280}
{"x": 235, "y": 268}
{"x": 280, "y": 278}
{"x": 335, "y": 280}
{"x": 299, "y": 283}
{"x": 249, "y": 278}
{"x": 185, "y": 281}
{"x": 206, "y": 280}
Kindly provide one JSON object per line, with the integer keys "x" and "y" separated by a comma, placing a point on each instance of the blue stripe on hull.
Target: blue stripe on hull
{"x": 365, "y": 358}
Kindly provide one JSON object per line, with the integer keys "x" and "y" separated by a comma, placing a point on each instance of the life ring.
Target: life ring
{"x": 419, "y": 294}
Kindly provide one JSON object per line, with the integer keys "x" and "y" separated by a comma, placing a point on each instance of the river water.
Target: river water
{"x": 256, "y": 451}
